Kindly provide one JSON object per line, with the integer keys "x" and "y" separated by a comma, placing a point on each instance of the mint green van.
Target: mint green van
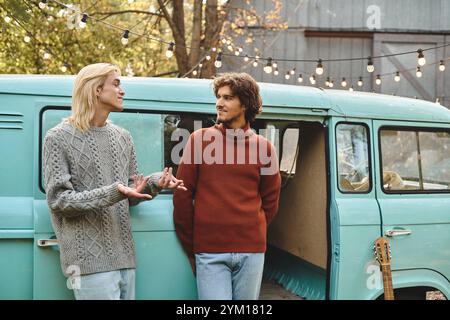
{"x": 355, "y": 167}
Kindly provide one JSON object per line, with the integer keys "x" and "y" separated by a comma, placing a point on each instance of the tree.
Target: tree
{"x": 196, "y": 27}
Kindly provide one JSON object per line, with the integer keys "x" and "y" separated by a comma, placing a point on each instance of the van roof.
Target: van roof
{"x": 335, "y": 102}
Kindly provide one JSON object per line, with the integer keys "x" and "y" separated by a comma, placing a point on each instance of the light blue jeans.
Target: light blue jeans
{"x": 229, "y": 276}
{"x": 111, "y": 285}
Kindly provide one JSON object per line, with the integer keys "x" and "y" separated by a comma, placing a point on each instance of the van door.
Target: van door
{"x": 413, "y": 192}
{"x": 354, "y": 213}
{"x": 163, "y": 271}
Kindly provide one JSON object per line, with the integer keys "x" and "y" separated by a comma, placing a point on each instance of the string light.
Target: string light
{"x": 287, "y": 75}
{"x": 319, "y": 68}
{"x": 47, "y": 55}
{"x": 344, "y": 82}
{"x": 7, "y": 19}
{"x": 300, "y": 78}
{"x": 351, "y": 89}
{"x": 275, "y": 64}
{"x": 418, "y": 72}
{"x": 421, "y": 58}
{"x": 83, "y": 21}
{"x": 276, "y": 72}
{"x": 125, "y": 36}
{"x": 218, "y": 62}
{"x": 360, "y": 82}
{"x": 42, "y": 4}
{"x": 378, "y": 80}
{"x": 64, "y": 68}
{"x": 327, "y": 82}
{"x": 169, "y": 51}
{"x": 27, "y": 38}
{"x": 255, "y": 62}
{"x": 331, "y": 84}
{"x": 268, "y": 66}
{"x": 312, "y": 79}
{"x": 370, "y": 67}
{"x": 194, "y": 73}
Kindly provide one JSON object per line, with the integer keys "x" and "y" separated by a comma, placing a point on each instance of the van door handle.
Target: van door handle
{"x": 47, "y": 242}
{"x": 397, "y": 232}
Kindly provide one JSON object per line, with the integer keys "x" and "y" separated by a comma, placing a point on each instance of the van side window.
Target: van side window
{"x": 415, "y": 160}
{"x": 352, "y": 158}
{"x": 177, "y": 128}
{"x": 290, "y": 151}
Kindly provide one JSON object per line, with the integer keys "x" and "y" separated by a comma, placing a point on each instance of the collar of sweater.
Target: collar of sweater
{"x": 243, "y": 133}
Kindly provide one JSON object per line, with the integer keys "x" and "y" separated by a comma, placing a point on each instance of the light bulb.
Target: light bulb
{"x": 7, "y": 19}
{"x": 360, "y": 82}
{"x": 246, "y": 58}
{"x": 194, "y": 73}
{"x": 124, "y": 39}
{"x": 421, "y": 58}
{"x": 319, "y": 68}
{"x": 378, "y": 80}
{"x": 292, "y": 72}
{"x": 46, "y": 55}
{"x": 83, "y": 21}
{"x": 268, "y": 66}
{"x": 255, "y": 63}
{"x": 397, "y": 77}
{"x": 370, "y": 67}
{"x": 312, "y": 79}
{"x": 441, "y": 66}
{"x": 218, "y": 62}
{"x": 300, "y": 78}
{"x": 63, "y": 68}
{"x": 275, "y": 64}
{"x": 276, "y": 72}
{"x": 331, "y": 84}
{"x": 327, "y": 82}
{"x": 169, "y": 51}
{"x": 42, "y": 4}
{"x": 418, "y": 72}
{"x": 351, "y": 89}
{"x": 344, "y": 82}
{"x": 287, "y": 75}
{"x": 27, "y": 38}
{"x": 208, "y": 57}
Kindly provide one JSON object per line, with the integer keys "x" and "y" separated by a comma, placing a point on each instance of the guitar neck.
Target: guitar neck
{"x": 387, "y": 282}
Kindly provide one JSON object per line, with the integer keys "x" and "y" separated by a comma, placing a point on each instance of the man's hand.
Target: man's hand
{"x": 168, "y": 181}
{"x": 136, "y": 191}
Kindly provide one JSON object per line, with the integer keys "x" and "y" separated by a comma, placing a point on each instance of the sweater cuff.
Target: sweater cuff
{"x": 114, "y": 194}
{"x": 154, "y": 180}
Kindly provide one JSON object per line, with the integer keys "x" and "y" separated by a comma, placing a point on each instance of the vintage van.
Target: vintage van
{"x": 355, "y": 166}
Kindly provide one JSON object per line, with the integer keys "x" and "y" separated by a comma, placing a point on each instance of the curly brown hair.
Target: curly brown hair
{"x": 245, "y": 88}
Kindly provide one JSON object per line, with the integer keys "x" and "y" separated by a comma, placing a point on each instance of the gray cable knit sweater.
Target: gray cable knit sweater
{"x": 89, "y": 215}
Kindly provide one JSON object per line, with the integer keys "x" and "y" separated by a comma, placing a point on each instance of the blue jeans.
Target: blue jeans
{"x": 229, "y": 276}
{"x": 111, "y": 285}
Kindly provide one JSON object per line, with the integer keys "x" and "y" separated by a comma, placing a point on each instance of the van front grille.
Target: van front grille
{"x": 12, "y": 121}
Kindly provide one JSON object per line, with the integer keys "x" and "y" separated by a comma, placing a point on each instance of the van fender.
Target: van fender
{"x": 409, "y": 278}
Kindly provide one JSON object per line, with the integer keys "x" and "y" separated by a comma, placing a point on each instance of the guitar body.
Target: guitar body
{"x": 383, "y": 255}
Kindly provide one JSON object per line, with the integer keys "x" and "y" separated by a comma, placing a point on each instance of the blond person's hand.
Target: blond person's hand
{"x": 168, "y": 181}
{"x": 139, "y": 186}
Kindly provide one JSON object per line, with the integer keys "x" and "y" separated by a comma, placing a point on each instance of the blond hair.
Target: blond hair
{"x": 84, "y": 95}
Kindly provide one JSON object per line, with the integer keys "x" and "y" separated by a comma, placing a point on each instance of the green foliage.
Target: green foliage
{"x": 74, "y": 48}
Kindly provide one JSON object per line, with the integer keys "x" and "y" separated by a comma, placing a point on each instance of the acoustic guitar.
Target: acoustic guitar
{"x": 383, "y": 256}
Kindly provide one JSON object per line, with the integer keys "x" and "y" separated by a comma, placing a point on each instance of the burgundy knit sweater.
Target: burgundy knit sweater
{"x": 231, "y": 198}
